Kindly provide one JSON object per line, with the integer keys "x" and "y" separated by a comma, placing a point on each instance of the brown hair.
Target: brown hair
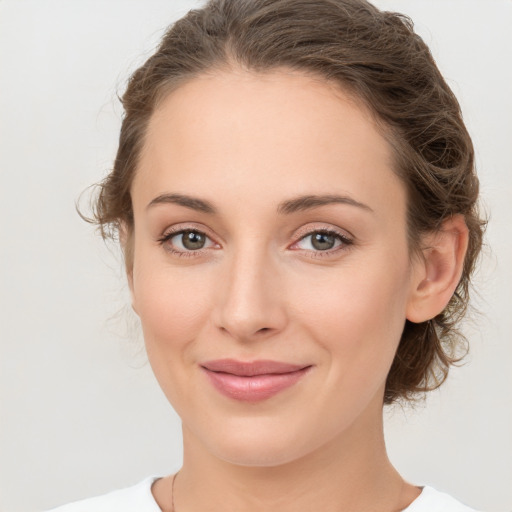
{"x": 376, "y": 56}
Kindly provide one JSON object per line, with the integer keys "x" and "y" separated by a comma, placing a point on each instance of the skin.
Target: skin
{"x": 259, "y": 289}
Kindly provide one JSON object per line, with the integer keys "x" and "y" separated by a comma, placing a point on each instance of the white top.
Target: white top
{"x": 139, "y": 498}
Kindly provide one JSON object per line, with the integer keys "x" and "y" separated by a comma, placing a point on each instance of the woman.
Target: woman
{"x": 295, "y": 196}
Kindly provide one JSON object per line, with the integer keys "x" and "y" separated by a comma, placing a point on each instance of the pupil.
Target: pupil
{"x": 323, "y": 241}
{"x": 193, "y": 240}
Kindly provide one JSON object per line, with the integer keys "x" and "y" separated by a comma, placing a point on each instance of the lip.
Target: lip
{"x": 252, "y": 381}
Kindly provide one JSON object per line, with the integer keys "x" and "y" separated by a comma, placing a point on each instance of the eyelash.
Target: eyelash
{"x": 346, "y": 242}
{"x": 179, "y": 231}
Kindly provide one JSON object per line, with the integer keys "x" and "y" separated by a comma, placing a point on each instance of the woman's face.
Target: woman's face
{"x": 270, "y": 229}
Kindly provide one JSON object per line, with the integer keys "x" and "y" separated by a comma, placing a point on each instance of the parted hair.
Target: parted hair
{"x": 375, "y": 56}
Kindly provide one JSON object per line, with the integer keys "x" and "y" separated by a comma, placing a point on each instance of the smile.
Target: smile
{"x": 252, "y": 381}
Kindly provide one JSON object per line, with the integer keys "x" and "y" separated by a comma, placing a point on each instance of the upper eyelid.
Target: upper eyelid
{"x": 326, "y": 231}
{"x": 179, "y": 228}
{"x": 306, "y": 231}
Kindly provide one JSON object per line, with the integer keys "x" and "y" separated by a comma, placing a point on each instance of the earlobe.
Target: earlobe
{"x": 437, "y": 273}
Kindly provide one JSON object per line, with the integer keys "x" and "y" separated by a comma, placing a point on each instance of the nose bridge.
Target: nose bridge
{"x": 252, "y": 301}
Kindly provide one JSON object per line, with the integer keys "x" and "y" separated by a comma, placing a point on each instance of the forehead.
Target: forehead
{"x": 265, "y": 135}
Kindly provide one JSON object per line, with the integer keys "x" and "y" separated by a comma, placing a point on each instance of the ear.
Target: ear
{"x": 437, "y": 271}
{"x": 126, "y": 241}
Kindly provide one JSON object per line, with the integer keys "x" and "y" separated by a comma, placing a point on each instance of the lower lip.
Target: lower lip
{"x": 256, "y": 387}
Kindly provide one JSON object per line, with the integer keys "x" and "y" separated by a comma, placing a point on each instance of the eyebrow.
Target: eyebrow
{"x": 287, "y": 207}
{"x": 194, "y": 203}
{"x": 308, "y": 202}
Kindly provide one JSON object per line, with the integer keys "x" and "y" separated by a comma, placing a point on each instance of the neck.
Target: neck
{"x": 351, "y": 472}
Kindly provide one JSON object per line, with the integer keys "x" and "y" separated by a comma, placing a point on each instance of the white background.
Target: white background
{"x": 80, "y": 411}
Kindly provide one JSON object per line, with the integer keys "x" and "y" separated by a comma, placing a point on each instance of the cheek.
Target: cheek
{"x": 357, "y": 314}
{"x": 172, "y": 304}
{"x": 173, "y": 308}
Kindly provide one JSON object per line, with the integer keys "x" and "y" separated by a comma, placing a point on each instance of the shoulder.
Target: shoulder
{"x": 137, "y": 498}
{"x": 431, "y": 500}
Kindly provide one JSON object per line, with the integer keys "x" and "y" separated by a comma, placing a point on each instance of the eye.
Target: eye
{"x": 323, "y": 241}
{"x": 186, "y": 241}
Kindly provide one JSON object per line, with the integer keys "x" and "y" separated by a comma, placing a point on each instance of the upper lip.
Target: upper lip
{"x": 251, "y": 368}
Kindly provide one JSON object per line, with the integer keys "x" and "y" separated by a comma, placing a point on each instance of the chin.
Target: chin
{"x": 257, "y": 453}
{"x": 265, "y": 442}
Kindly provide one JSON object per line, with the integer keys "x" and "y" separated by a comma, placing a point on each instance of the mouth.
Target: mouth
{"x": 252, "y": 381}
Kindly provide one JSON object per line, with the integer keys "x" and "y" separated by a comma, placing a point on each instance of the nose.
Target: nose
{"x": 251, "y": 300}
